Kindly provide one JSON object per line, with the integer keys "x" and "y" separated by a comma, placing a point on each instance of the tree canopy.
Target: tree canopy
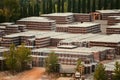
{"x": 51, "y": 63}
{"x": 17, "y": 59}
{"x": 116, "y": 75}
{"x": 100, "y": 73}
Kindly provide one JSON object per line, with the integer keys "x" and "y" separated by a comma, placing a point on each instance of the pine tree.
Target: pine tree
{"x": 11, "y": 59}
{"x": 51, "y": 63}
{"x": 43, "y": 6}
{"x": 79, "y": 6}
{"x": 50, "y": 6}
{"x": 112, "y": 4}
{"x": 88, "y": 6}
{"x": 116, "y": 75}
{"x": 69, "y": 6}
{"x": 93, "y": 5}
{"x": 23, "y": 57}
{"x": 105, "y": 4}
{"x": 100, "y": 73}
{"x": 117, "y": 4}
{"x": 62, "y": 7}
{"x": 74, "y": 6}
{"x": 80, "y": 67}
{"x": 58, "y": 6}
{"x": 99, "y": 4}
{"x": 83, "y": 6}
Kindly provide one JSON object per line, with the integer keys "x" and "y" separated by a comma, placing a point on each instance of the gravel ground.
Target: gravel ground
{"x": 33, "y": 74}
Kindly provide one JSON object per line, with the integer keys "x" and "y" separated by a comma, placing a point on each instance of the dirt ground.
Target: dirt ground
{"x": 33, "y": 74}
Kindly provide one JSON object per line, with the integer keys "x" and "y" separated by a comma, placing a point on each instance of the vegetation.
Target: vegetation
{"x": 116, "y": 75}
{"x": 51, "y": 63}
{"x": 100, "y": 73}
{"x": 17, "y": 59}
{"x": 11, "y": 10}
{"x": 80, "y": 67}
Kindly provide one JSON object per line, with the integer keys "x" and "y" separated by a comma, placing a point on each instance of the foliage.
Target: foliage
{"x": 11, "y": 59}
{"x": 11, "y": 10}
{"x": 80, "y": 67}
{"x": 17, "y": 59}
{"x": 116, "y": 75}
{"x": 51, "y": 63}
{"x": 24, "y": 57}
{"x": 100, "y": 73}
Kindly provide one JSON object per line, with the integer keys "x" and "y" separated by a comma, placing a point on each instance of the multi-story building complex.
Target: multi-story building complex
{"x": 37, "y": 23}
{"x": 85, "y": 27}
{"x": 107, "y": 41}
{"x": 112, "y": 20}
{"x": 115, "y": 29}
{"x": 105, "y": 13}
{"x": 2, "y": 59}
{"x": 79, "y": 17}
{"x": 61, "y": 18}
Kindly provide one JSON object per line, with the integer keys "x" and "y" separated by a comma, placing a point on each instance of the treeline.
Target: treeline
{"x": 10, "y": 10}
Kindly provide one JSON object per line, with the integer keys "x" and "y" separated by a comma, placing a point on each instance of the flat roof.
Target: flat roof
{"x": 114, "y": 38}
{"x": 6, "y": 23}
{"x": 66, "y": 36}
{"x": 110, "y": 65}
{"x": 2, "y": 27}
{"x": 36, "y": 19}
{"x": 84, "y": 24}
{"x": 3, "y": 49}
{"x": 109, "y": 11}
{"x": 78, "y": 24}
{"x": 58, "y": 14}
{"x": 63, "y": 51}
{"x": 79, "y": 50}
{"x": 79, "y": 38}
{"x": 114, "y": 26}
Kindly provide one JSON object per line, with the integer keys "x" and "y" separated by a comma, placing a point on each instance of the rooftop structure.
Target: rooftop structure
{"x": 61, "y": 18}
{"x": 105, "y": 13}
{"x": 112, "y": 20}
{"x": 80, "y": 17}
{"x": 38, "y": 23}
{"x": 77, "y": 27}
{"x": 115, "y": 29}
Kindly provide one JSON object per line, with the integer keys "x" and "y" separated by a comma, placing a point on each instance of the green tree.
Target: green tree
{"x": 17, "y": 59}
{"x": 69, "y": 5}
{"x": 74, "y": 6}
{"x": 10, "y": 10}
{"x": 80, "y": 67}
{"x": 11, "y": 59}
{"x": 83, "y": 6}
{"x": 99, "y": 4}
{"x": 62, "y": 7}
{"x": 79, "y": 6}
{"x": 105, "y": 4}
{"x": 100, "y": 73}
{"x": 88, "y": 6}
{"x": 117, "y": 4}
{"x": 116, "y": 75}
{"x": 51, "y": 62}
{"x": 23, "y": 57}
{"x": 93, "y": 5}
{"x": 58, "y": 5}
